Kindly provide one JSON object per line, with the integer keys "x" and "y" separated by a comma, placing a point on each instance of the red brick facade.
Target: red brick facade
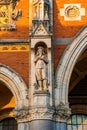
{"x": 19, "y": 61}
{"x": 58, "y": 51}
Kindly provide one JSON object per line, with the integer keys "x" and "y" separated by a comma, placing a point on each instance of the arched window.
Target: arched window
{"x": 8, "y": 124}
{"x": 77, "y": 122}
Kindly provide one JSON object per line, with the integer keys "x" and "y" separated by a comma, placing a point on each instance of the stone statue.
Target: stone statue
{"x": 41, "y": 62}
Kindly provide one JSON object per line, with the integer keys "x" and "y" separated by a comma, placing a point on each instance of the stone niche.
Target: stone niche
{"x": 40, "y": 87}
{"x": 41, "y": 64}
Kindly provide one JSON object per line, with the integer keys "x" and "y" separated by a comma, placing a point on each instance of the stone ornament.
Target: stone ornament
{"x": 8, "y": 13}
{"x": 19, "y": 114}
{"x": 72, "y": 12}
{"x": 41, "y": 62}
{"x": 40, "y": 30}
{"x": 41, "y": 113}
{"x": 62, "y": 111}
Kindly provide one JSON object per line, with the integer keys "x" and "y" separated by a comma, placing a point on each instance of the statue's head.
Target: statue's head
{"x": 40, "y": 50}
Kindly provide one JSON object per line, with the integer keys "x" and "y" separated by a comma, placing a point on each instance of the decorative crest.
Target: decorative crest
{"x": 8, "y": 13}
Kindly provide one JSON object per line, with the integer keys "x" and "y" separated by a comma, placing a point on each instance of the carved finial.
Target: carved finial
{"x": 46, "y": 16}
{"x": 35, "y": 16}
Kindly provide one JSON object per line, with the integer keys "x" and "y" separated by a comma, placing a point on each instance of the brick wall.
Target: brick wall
{"x": 58, "y": 51}
{"x": 19, "y": 61}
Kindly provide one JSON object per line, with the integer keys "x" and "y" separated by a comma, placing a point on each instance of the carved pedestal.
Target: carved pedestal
{"x": 41, "y": 114}
{"x": 42, "y": 99}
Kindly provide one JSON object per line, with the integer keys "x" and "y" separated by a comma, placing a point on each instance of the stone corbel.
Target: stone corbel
{"x": 62, "y": 112}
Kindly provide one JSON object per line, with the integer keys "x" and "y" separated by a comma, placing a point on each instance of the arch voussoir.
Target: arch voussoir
{"x": 66, "y": 65}
{"x": 16, "y": 85}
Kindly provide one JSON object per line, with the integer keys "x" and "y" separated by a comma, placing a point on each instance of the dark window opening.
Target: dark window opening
{"x": 8, "y": 124}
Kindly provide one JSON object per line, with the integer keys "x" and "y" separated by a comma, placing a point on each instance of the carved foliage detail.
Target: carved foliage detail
{"x": 62, "y": 111}
{"x": 41, "y": 113}
{"x": 19, "y": 114}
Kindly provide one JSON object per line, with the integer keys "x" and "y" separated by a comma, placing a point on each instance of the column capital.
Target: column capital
{"x": 41, "y": 113}
{"x": 21, "y": 115}
{"x": 62, "y": 112}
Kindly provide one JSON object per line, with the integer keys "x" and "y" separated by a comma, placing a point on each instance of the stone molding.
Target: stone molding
{"x": 46, "y": 40}
{"x": 14, "y": 41}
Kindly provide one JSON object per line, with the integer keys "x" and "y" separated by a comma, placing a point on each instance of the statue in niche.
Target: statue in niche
{"x": 41, "y": 62}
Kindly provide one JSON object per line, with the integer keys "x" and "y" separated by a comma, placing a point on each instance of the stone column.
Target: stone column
{"x": 22, "y": 117}
{"x": 23, "y": 126}
{"x": 41, "y": 114}
{"x": 42, "y": 125}
{"x": 60, "y": 126}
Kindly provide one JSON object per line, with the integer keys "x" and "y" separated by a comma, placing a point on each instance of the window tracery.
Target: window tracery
{"x": 77, "y": 122}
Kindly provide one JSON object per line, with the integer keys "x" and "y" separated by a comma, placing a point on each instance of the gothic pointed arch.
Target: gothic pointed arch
{"x": 66, "y": 65}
